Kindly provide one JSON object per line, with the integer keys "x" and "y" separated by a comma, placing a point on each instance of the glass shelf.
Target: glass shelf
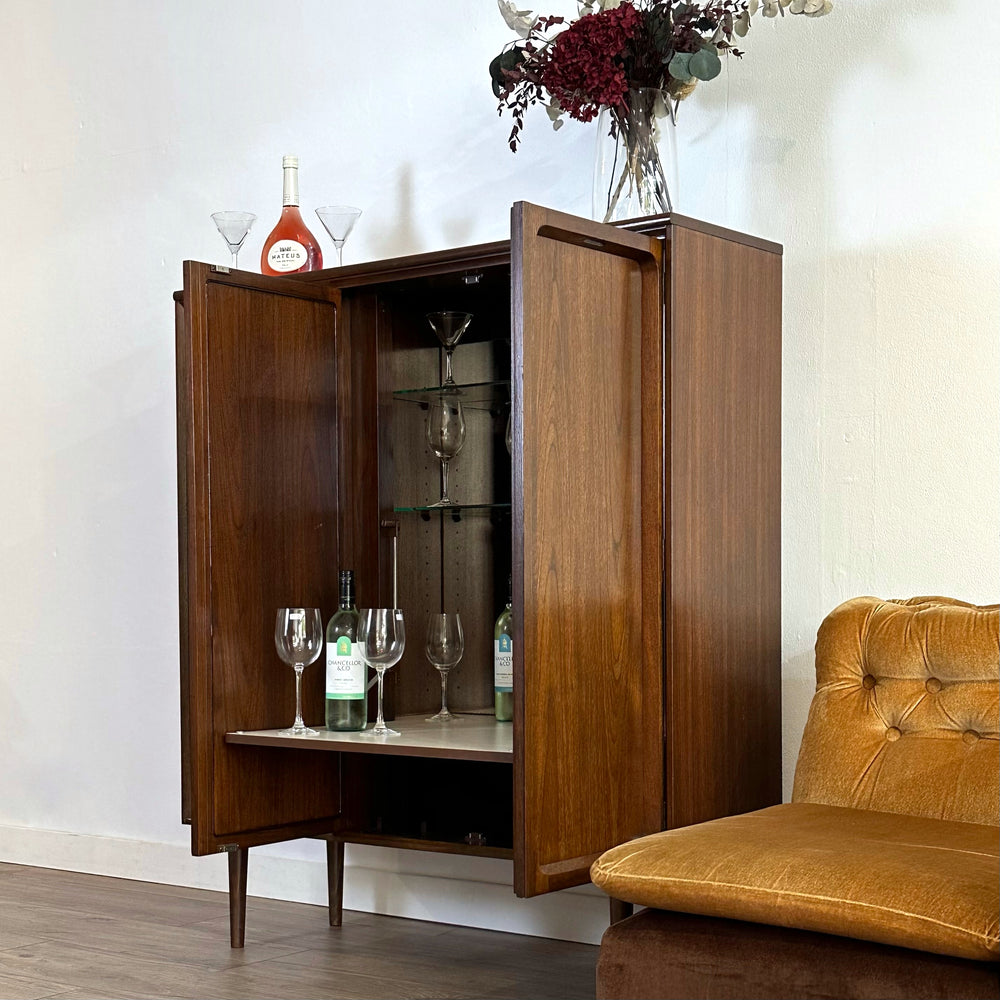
{"x": 472, "y": 395}
{"x": 456, "y": 511}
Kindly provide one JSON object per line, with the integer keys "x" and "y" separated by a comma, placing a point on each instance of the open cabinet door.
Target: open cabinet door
{"x": 588, "y": 543}
{"x": 258, "y": 461}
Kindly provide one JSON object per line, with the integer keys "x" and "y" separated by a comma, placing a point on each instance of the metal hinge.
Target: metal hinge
{"x": 220, "y": 269}
{"x": 228, "y": 848}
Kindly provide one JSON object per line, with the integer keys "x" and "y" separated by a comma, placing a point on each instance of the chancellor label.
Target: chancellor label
{"x": 345, "y": 670}
{"x": 503, "y": 664}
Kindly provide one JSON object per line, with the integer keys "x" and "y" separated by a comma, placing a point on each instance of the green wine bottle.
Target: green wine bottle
{"x": 503, "y": 662}
{"x": 346, "y": 675}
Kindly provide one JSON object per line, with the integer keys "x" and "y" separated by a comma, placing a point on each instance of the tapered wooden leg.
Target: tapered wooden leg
{"x": 335, "y": 879}
{"x": 238, "y": 895}
{"x": 620, "y": 910}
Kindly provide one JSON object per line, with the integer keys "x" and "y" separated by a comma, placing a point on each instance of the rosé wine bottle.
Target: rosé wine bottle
{"x": 290, "y": 248}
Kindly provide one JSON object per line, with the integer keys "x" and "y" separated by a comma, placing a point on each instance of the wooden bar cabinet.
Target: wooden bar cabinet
{"x": 637, "y": 514}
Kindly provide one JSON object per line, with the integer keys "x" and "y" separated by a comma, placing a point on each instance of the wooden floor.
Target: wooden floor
{"x": 85, "y": 937}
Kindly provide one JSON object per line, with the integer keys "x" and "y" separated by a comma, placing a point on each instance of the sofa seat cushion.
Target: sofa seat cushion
{"x": 900, "y": 880}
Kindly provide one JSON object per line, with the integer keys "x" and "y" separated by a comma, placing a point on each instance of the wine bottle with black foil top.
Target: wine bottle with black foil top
{"x": 346, "y": 674}
{"x": 291, "y": 248}
{"x": 503, "y": 662}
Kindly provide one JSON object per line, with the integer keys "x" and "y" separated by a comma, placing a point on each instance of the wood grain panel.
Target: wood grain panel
{"x": 185, "y": 457}
{"x": 588, "y": 765}
{"x": 357, "y": 444}
{"x": 261, "y": 532}
{"x": 657, "y": 224}
{"x": 416, "y": 266}
{"x": 723, "y": 711}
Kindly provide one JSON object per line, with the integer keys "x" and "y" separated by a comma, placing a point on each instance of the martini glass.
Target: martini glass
{"x": 233, "y": 227}
{"x": 339, "y": 221}
{"x": 449, "y": 327}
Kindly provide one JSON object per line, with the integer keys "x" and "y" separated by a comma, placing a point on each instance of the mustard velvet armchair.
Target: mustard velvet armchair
{"x": 880, "y": 877}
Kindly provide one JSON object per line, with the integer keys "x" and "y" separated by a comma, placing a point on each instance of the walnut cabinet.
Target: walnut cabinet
{"x": 638, "y": 515}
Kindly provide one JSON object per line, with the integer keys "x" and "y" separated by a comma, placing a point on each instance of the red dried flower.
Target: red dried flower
{"x": 584, "y": 70}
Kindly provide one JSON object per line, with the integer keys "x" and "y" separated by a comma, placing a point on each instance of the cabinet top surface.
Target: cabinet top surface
{"x": 470, "y": 737}
{"x": 498, "y": 253}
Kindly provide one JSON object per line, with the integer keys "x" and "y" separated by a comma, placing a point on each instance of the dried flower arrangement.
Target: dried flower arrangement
{"x": 637, "y": 59}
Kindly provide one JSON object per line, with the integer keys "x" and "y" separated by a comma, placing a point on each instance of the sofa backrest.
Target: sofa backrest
{"x": 905, "y": 715}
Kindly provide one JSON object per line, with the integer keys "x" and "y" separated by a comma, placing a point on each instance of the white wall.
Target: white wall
{"x": 866, "y": 142}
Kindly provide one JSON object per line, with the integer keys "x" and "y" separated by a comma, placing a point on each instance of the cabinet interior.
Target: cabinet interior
{"x": 446, "y": 560}
{"x": 464, "y": 806}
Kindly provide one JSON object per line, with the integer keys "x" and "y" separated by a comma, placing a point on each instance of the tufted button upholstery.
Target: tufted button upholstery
{"x": 926, "y": 668}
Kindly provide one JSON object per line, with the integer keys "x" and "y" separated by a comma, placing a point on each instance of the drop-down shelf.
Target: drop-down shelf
{"x": 472, "y": 737}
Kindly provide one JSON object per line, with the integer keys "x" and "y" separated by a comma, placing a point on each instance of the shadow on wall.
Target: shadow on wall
{"x": 401, "y": 236}
{"x": 769, "y": 122}
{"x": 798, "y": 684}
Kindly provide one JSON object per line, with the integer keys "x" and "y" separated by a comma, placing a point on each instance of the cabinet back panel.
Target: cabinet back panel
{"x": 429, "y": 800}
{"x": 444, "y": 563}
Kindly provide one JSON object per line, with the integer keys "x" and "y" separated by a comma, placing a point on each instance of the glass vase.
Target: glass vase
{"x": 635, "y": 171}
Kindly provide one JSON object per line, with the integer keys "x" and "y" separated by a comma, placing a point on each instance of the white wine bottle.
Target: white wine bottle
{"x": 346, "y": 675}
{"x": 503, "y": 662}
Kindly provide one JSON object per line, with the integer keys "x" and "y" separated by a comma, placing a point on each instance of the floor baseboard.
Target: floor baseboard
{"x": 469, "y": 892}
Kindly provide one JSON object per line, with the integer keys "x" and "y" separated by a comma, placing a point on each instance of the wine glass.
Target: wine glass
{"x": 445, "y": 435}
{"x": 382, "y": 638}
{"x": 339, "y": 221}
{"x": 444, "y": 648}
{"x": 449, "y": 327}
{"x": 298, "y": 637}
{"x": 233, "y": 227}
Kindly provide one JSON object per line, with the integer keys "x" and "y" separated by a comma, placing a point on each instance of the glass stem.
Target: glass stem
{"x": 380, "y": 721}
{"x": 444, "y": 480}
{"x": 299, "y": 724}
{"x": 340, "y": 254}
{"x": 448, "y": 377}
{"x": 236, "y": 257}
{"x": 444, "y": 692}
